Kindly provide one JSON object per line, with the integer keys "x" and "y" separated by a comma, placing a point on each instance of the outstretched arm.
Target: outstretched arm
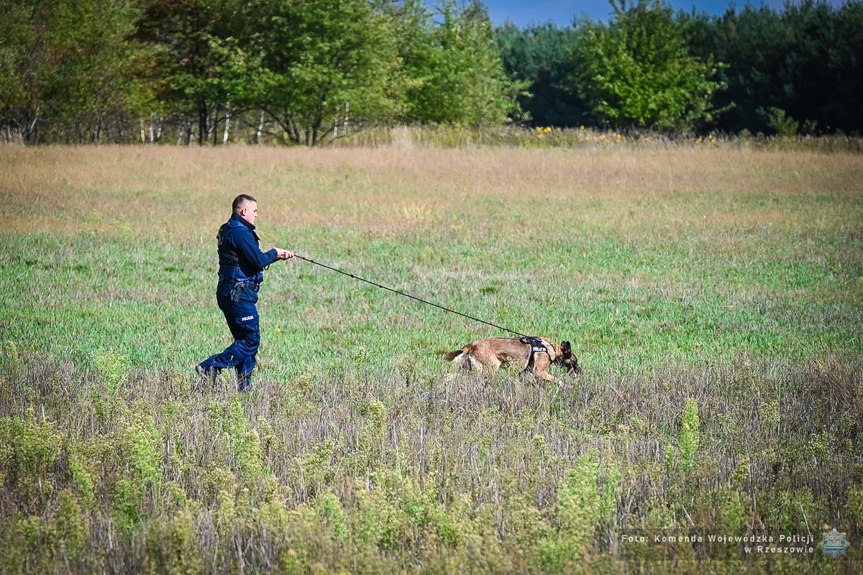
{"x": 248, "y": 248}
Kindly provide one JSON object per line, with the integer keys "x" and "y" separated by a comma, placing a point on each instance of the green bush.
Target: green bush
{"x": 29, "y": 450}
{"x": 331, "y": 511}
{"x": 779, "y": 121}
{"x": 582, "y": 506}
{"x": 112, "y": 369}
{"x": 172, "y": 547}
{"x": 689, "y": 438}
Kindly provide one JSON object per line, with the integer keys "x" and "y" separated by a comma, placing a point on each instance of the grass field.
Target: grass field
{"x": 714, "y": 297}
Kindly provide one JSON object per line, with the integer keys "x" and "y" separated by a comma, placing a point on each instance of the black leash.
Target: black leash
{"x": 311, "y": 261}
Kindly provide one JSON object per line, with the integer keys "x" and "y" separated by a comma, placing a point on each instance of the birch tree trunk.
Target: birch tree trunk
{"x": 347, "y": 113}
{"x": 227, "y": 125}
{"x": 260, "y": 130}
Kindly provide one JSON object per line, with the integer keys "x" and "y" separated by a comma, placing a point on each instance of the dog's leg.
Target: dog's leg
{"x": 474, "y": 363}
{"x": 540, "y": 370}
{"x": 551, "y": 379}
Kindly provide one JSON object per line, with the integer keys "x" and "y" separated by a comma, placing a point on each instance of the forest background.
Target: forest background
{"x": 313, "y": 71}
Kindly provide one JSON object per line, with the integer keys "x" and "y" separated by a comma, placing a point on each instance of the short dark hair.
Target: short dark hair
{"x": 238, "y": 201}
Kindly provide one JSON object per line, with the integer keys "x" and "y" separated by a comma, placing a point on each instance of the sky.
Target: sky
{"x": 561, "y": 12}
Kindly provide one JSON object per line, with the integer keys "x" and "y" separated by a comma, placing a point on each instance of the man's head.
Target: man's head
{"x": 246, "y": 207}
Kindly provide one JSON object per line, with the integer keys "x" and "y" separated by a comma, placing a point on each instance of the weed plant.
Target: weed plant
{"x": 713, "y": 295}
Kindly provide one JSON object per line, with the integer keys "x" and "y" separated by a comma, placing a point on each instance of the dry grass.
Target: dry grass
{"x": 183, "y": 190}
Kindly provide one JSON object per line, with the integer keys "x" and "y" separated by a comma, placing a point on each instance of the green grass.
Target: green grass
{"x": 626, "y": 302}
{"x": 713, "y": 298}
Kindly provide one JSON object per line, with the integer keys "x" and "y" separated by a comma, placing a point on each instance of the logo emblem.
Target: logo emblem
{"x": 834, "y": 544}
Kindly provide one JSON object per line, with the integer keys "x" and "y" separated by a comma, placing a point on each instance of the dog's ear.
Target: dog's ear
{"x": 566, "y": 348}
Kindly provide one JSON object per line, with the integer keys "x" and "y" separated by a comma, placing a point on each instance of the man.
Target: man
{"x": 241, "y": 265}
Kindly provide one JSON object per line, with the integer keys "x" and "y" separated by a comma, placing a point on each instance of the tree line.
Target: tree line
{"x": 309, "y": 71}
{"x": 754, "y": 68}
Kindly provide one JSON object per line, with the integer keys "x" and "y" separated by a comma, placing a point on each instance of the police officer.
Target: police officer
{"x": 241, "y": 265}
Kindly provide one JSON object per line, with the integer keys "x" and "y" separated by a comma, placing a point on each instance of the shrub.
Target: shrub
{"x": 112, "y": 369}
{"x": 779, "y": 121}
{"x": 688, "y": 439}
{"x": 330, "y": 509}
{"x": 72, "y": 528}
{"x": 172, "y": 547}
{"x": 29, "y": 450}
{"x": 580, "y": 508}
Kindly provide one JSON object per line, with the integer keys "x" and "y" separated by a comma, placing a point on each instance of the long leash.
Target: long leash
{"x": 350, "y": 275}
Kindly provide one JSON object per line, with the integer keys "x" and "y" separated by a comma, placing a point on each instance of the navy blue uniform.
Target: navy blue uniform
{"x": 241, "y": 271}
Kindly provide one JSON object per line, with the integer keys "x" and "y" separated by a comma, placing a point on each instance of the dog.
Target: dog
{"x": 535, "y": 354}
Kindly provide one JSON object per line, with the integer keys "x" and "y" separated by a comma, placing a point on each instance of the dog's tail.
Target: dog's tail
{"x": 451, "y": 356}
{"x": 461, "y": 357}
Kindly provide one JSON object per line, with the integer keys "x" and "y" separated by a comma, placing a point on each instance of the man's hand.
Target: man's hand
{"x": 284, "y": 254}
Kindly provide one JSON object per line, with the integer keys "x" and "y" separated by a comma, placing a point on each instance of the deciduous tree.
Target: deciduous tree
{"x": 323, "y": 62}
{"x": 194, "y": 56}
{"x": 24, "y": 66}
{"x": 636, "y": 71}
{"x": 458, "y": 72}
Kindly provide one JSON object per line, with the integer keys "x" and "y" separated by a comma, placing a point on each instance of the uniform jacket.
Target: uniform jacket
{"x": 240, "y": 258}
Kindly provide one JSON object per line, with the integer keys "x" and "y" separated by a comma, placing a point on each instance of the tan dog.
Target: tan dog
{"x": 535, "y": 354}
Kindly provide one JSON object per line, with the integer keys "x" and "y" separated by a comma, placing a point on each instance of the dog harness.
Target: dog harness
{"x": 537, "y": 345}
